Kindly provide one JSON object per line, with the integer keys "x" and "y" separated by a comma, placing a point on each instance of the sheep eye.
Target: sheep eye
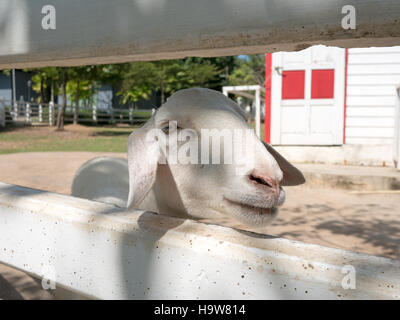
{"x": 166, "y": 129}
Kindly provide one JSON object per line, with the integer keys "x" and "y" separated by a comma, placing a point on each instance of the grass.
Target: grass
{"x": 75, "y": 138}
{"x": 94, "y": 139}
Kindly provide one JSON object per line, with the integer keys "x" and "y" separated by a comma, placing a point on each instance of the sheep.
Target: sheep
{"x": 201, "y": 189}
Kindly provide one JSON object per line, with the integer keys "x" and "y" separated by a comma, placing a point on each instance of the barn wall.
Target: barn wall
{"x": 373, "y": 75}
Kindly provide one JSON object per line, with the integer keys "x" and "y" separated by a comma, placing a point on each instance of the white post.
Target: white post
{"x": 396, "y": 143}
{"x": 239, "y": 101}
{"x": 153, "y": 111}
{"x": 258, "y": 118}
{"x": 28, "y": 113}
{"x": 51, "y": 113}
{"x": 239, "y": 90}
{"x": 94, "y": 112}
{"x": 14, "y": 95}
{"x": 40, "y": 113}
{"x": 15, "y": 112}
{"x": 131, "y": 115}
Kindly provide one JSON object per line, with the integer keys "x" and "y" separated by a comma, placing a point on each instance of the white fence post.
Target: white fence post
{"x": 51, "y": 113}
{"x": 153, "y": 111}
{"x": 40, "y": 113}
{"x": 258, "y": 116}
{"x": 131, "y": 115}
{"x": 28, "y": 113}
{"x": 396, "y": 140}
{"x": 240, "y": 91}
{"x": 94, "y": 111}
{"x": 15, "y": 112}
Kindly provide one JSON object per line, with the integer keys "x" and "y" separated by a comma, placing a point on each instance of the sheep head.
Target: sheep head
{"x": 177, "y": 168}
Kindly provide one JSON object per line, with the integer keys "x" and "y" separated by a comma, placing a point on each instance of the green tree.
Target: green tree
{"x": 134, "y": 80}
{"x": 166, "y": 76}
{"x": 80, "y": 84}
{"x": 200, "y": 73}
{"x": 223, "y": 67}
{"x": 249, "y": 71}
{"x": 140, "y": 79}
{"x": 46, "y": 82}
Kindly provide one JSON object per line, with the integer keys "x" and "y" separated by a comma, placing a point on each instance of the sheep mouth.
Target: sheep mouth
{"x": 253, "y": 208}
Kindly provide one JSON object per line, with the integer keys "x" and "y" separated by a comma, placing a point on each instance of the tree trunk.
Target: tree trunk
{"x": 41, "y": 90}
{"x": 162, "y": 92}
{"x": 61, "y": 111}
{"x": 76, "y": 111}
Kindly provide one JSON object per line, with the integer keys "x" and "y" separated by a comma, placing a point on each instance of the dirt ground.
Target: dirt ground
{"x": 368, "y": 223}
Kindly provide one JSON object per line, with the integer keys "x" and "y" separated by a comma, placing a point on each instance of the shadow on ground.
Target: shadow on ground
{"x": 361, "y": 227}
{"x": 109, "y": 133}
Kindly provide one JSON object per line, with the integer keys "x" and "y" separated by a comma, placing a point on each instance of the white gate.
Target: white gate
{"x": 307, "y": 95}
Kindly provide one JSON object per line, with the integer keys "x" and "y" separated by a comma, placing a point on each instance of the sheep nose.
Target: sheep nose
{"x": 263, "y": 179}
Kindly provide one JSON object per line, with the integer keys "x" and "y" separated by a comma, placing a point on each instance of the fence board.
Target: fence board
{"x": 102, "y": 251}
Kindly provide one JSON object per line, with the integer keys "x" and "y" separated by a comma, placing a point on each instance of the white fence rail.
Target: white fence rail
{"x": 101, "y": 251}
{"x": 24, "y": 112}
{"x": 181, "y": 28}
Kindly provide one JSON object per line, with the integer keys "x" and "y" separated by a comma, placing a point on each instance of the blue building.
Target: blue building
{"x": 23, "y": 88}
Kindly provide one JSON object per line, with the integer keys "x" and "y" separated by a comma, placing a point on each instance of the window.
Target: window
{"x": 293, "y": 84}
{"x": 322, "y": 84}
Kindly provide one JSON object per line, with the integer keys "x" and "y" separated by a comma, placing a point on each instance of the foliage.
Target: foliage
{"x": 166, "y": 76}
{"x": 44, "y": 80}
{"x": 138, "y": 80}
{"x": 249, "y": 71}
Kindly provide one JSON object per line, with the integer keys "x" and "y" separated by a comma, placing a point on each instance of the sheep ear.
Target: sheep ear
{"x": 291, "y": 175}
{"x": 143, "y": 155}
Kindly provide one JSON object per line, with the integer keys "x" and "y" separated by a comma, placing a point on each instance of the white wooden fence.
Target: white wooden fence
{"x": 30, "y": 112}
{"x": 101, "y": 251}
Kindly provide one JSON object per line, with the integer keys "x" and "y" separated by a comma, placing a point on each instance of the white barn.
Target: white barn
{"x": 334, "y": 105}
